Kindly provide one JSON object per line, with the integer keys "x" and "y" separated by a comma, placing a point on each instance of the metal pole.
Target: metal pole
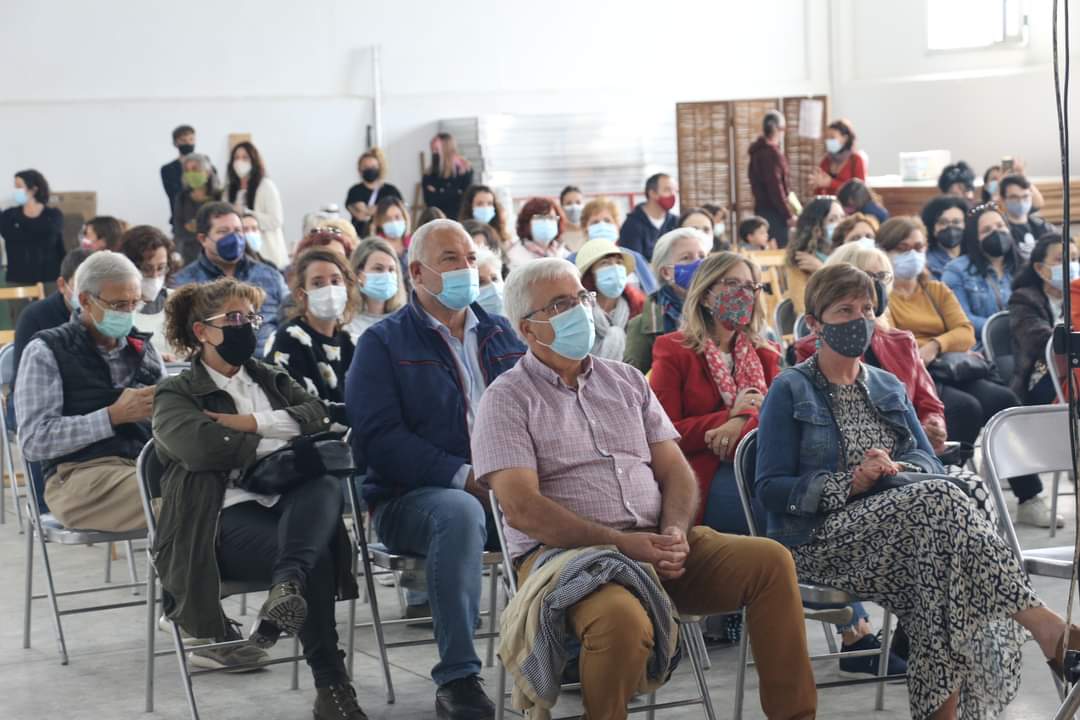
{"x": 376, "y": 92}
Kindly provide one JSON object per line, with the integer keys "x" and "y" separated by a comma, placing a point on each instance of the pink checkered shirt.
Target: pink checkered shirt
{"x": 589, "y": 446}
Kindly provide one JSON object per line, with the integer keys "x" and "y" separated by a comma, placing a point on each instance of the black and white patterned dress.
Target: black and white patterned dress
{"x": 931, "y": 556}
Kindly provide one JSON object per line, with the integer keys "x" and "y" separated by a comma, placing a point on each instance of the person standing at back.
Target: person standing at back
{"x": 33, "y": 233}
{"x": 652, "y": 218}
{"x": 183, "y": 138}
{"x": 769, "y": 180}
{"x": 249, "y": 187}
{"x": 842, "y": 161}
{"x": 447, "y": 177}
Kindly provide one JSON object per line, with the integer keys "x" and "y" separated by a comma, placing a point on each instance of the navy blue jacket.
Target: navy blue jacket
{"x": 639, "y": 234}
{"x": 405, "y": 401}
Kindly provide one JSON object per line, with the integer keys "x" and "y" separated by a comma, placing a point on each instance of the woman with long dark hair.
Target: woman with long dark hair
{"x": 842, "y": 161}
{"x": 810, "y": 245}
{"x": 33, "y": 233}
{"x": 445, "y": 180}
{"x": 248, "y": 186}
{"x": 981, "y": 278}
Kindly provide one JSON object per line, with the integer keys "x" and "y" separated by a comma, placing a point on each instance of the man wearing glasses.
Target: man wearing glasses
{"x": 84, "y": 397}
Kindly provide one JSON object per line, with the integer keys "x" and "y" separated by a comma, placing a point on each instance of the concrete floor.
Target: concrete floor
{"x": 105, "y": 676}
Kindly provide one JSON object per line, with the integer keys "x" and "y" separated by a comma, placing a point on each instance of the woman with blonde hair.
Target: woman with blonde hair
{"x": 381, "y": 284}
{"x": 712, "y": 375}
{"x": 314, "y": 346}
{"x": 601, "y": 220}
{"x": 449, "y": 174}
{"x": 366, "y": 194}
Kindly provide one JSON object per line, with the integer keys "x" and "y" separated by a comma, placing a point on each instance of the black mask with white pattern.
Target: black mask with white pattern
{"x": 850, "y": 339}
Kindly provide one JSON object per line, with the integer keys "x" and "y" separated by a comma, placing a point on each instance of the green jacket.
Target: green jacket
{"x": 641, "y": 334}
{"x": 199, "y": 455}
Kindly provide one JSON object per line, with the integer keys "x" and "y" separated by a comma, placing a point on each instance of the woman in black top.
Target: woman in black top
{"x": 313, "y": 346}
{"x": 365, "y": 195}
{"x": 450, "y": 173}
{"x": 33, "y": 233}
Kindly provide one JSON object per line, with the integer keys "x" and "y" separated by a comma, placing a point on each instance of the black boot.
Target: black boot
{"x": 463, "y": 699}
{"x": 337, "y": 702}
{"x": 284, "y": 612}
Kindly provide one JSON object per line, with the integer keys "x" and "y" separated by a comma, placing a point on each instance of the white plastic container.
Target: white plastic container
{"x": 923, "y": 164}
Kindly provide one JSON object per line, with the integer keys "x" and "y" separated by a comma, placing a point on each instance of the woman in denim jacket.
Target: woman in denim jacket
{"x": 835, "y": 435}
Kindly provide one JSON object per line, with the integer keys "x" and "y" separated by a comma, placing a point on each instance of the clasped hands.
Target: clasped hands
{"x": 875, "y": 465}
{"x": 666, "y": 551}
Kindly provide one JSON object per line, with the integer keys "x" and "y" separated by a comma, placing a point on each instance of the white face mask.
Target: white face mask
{"x": 242, "y": 167}
{"x": 151, "y": 288}
{"x": 328, "y": 302}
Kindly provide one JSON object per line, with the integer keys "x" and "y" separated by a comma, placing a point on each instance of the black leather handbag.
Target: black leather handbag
{"x": 952, "y": 368}
{"x": 307, "y": 456}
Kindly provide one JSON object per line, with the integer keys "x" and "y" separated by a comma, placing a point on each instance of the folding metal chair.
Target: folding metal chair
{"x": 784, "y": 319}
{"x": 690, "y": 629}
{"x": 814, "y": 597}
{"x": 44, "y": 530}
{"x": 997, "y": 344}
{"x": 1051, "y": 367}
{"x": 7, "y": 437}
{"x": 377, "y": 555}
{"x": 802, "y": 328}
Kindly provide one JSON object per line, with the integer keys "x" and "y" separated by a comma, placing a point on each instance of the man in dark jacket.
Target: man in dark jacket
{"x": 1025, "y": 226}
{"x": 652, "y": 218}
{"x": 411, "y": 396}
{"x": 183, "y": 138}
{"x": 769, "y": 178}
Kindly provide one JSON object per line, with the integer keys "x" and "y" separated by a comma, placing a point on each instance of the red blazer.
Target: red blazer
{"x": 898, "y": 353}
{"x": 682, "y": 383}
{"x": 853, "y": 167}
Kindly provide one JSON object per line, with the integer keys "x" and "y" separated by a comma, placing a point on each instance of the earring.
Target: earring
{"x": 817, "y": 343}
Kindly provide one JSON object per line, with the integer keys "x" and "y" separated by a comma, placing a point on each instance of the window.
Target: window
{"x": 974, "y": 24}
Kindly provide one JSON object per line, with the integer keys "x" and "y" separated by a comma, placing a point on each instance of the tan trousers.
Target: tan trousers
{"x": 723, "y": 574}
{"x": 100, "y": 494}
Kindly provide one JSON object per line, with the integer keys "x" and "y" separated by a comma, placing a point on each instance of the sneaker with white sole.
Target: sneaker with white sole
{"x": 233, "y": 658}
{"x": 1035, "y": 511}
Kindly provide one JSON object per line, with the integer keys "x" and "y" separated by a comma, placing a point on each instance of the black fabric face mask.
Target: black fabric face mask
{"x": 370, "y": 174}
{"x": 185, "y": 148}
{"x": 950, "y": 237}
{"x": 882, "y": 298}
{"x": 237, "y": 344}
{"x": 996, "y": 244}
{"x": 851, "y": 338}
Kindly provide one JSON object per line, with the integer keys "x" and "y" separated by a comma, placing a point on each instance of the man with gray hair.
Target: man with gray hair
{"x": 411, "y": 394}
{"x": 580, "y": 453}
{"x": 84, "y": 397}
{"x": 769, "y": 180}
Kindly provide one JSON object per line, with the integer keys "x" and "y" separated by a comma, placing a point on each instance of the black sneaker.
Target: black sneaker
{"x": 867, "y": 665}
{"x": 337, "y": 702}
{"x": 463, "y": 699}
{"x": 283, "y": 613}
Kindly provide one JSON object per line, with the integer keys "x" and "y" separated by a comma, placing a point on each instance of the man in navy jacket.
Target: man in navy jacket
{"x": 652, "y": 218}
{"x": 411, "y": 395}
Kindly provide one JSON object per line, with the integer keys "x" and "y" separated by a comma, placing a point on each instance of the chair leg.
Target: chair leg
{"x": 132, "y": 572}
{"x": 29, "y": 600}
{"x": 883, "y": 661}
{"x": 294, "y": 683}
{"x": 493, "y": 607}
{"x": 500, "y": 693}
{"x": 697, "y": 658}
{"x": 9, "y": 463}
{"x": 698, "y": 637}
{"x": 350, "y": 643}
{"x": 108, "y": 562}
{"x": 185, "y": 674}
{"x": 243, "y": 603}
{"x": 740, "y": 672}
{"x": 650, "y": 700}
{"x": 50, "y": 589}
{"x": 151, "y": 627}
{"x": 830, "y": 638}
{"x": 376, "y": 627}
{"x": 1054, "y": 503}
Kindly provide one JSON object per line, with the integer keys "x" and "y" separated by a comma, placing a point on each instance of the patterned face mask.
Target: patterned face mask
{"x": 851, "y": 338}
{"x": 733, "y": 307}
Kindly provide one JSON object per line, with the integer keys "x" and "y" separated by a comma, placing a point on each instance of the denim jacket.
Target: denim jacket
{"x": 799, "y": 445}
{"x": 980, "y": 295}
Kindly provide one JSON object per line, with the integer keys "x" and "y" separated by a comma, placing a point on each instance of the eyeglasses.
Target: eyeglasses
{"x": 237, "y": 318}
{"x": 882, "y": 277}
{"x": 731, "y": 285}
{"x": 325, "y": 229}
{"x": 561, "y": 305}
{"x": 124, "y": 306}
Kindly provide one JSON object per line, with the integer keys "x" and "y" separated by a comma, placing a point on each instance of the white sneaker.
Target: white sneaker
{"x": 1036, "y": 512}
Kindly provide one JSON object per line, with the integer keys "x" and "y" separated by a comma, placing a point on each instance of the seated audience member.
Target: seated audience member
{"x": 329, "y": 236}
{"x": 253, "y": 239}
{"x": 249, "y": 188}
{"x": 539, "y": 226}
{"x": 719, "y": 216}
{"x": 149, "y": 249}
{"x": 84, "y": 397}
{"x": 485, "y": 237}
{"x": 33, "y": 233}
{"x": 428, "y": 214}
{"x": 365, "y": 195}
{"x": 479, "y": 203}
{"x": 810, "y": 245}
{"x": 855, "y": 196}
{"x": 313, "y": 346}
{"x": 711, "y": 376}
{"x": 199, "y": 186}
{"x": 676, "y": 258}
{"x": 862, "y": 504}
{"x": 572, "y": 203}
{"x": 842, "y": 162}
{"x": 601, "y": 219}
{"x": 102, "y": 232}
{"x": 378, "y": 278}
{"x": 754, "y": 234}
{"x": 212, "y": 423}
{"x": 319, "y": 221}
{"x": 1035, "y": 307}
{"x": 1025, "y": 226}
{"x": 221, "y": 236}
{"x": 981, "y": 277}
{"x": 770, "y": 181}
{"x": 447, "y": 177}
{"x": 490, "y": 269}
{"x": 958, "y": 180}
{"x": 698, "y": 219}
{"x": 390, "y": 222}
{"x": 412, "y": 395}
{"x": 628, "y": 486}
{"x": 855, "y": 228}
{"x": 604, "y": 268}
{"x": 930, "y": 311}
{"x": 992, "y": 180}
{"x": 652, "y": 218}
{"x": 943, "y": 218}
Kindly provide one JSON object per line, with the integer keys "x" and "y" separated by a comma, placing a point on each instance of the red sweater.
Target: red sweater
{"x": 681, "y": 380}
{"x": 853, "y": 167}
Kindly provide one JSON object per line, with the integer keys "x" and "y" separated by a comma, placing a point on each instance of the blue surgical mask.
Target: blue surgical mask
{"x": 684, "y": 273}
{"x": 611, "y": 280}
{"x": 1018, "y": 208}
{"x": 490, "y": 298}
{"x": 992, "y": 187}
{"x": 575, "y": 332}
{"x": 830, "y": 228}
{"x": 573, "y": 212}
{"x": 19, "y": 196}
{"x": 380, "y": 286}
{"x": 460, "y": 288}
{"x": 866, "y": 242}
{"x": 253, "y": 240}
{"x": 394, "y": 229}
{"x": 603, "y": 231}
{"x": 1056, "y": 274}
{"x": 231, "y": 247}
{"x": 114, "y": 324}
{"x": 484, "y": 213}
{"x": 833, "y": 145}
{"x": 909, "y": 264}
{"x": 544, "y": 230}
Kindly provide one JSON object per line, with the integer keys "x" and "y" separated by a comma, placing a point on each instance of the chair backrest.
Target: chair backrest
{"x": 1051, "y": 367}
{"x": 7, "y": 365}
{"x": 175, "y": 368}
{"x": 509, "y": 576}
{"x": 996, "y": 339}
{"x": 23, "y": 292}
{"x": 745, "y": 470}
{"x": 148, "y": 472}
{"x": 802, "y": 328}
{"x": 35, "y": 484}
{"x": 785, "y": 317}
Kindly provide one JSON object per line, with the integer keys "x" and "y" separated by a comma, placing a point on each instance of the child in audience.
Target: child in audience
{"x": 754, "y": 234}
{"x": 479, "y": 203}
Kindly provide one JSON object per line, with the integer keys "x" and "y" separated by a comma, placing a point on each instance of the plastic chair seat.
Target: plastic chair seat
{"x": 57, "y": 533}
{"x": 382, "y": 557}
{"x": 1051, "y": 562}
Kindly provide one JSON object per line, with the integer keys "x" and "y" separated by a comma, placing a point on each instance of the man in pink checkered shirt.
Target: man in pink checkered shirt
{"x": 580, "y": 453}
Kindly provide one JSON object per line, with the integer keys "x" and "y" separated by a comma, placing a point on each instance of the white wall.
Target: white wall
{"x": 94, "y": 107}
{"x": 980, "y": 104}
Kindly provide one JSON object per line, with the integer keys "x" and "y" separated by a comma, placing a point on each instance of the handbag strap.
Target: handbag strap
{"x": 937, "y": 308}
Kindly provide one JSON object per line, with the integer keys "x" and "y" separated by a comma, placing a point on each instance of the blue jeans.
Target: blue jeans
{"x": 450, "y": 529}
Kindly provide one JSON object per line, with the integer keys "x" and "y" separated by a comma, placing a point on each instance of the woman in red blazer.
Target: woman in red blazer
{"x": 712, "y": 375}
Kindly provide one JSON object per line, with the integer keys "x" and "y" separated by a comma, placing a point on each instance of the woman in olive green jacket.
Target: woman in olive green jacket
{"x": 211, "y": 423}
